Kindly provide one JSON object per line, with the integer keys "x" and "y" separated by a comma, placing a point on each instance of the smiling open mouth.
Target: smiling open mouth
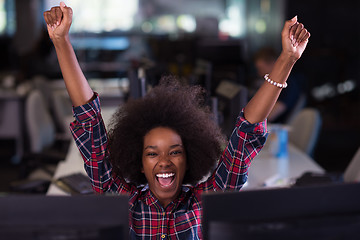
{"x": 165, "y": 179}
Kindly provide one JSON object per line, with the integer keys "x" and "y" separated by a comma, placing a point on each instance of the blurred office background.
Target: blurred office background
{"x": 206, "y": 42}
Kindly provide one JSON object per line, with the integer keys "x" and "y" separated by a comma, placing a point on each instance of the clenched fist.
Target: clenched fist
{"x": 58, "y": 20}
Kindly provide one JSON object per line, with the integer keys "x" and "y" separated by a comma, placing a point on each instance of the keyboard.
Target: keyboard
{"x": 76, "y": 183}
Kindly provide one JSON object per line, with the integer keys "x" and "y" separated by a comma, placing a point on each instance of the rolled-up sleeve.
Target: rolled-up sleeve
{"x": 245, "y": 143}
{"x": 90, "y": 136}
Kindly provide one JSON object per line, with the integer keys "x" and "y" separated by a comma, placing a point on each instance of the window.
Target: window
{"x": 2, "y": 16}
{"x": 7, "y": 17}
{"x": 98, "y": 16}
{"x": 158, "y": 16}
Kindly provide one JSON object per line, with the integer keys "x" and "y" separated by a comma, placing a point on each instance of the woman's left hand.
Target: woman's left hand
{"x": 294, "y": 38}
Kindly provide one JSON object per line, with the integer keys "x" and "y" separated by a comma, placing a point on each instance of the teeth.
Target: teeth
{"x": 165, "y": 175}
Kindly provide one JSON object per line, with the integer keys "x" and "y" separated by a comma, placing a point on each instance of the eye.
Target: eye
{"x": 176, "y": 152}
{"x": 151, "y": 154}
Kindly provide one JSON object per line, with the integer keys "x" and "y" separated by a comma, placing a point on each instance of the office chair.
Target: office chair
{"x": 39, "y": 123}
{"x": 352, "y": 172}
{"x": 304, "y": 129}
{"x": 300, "y": 104}
{"x": 39, "y": 163}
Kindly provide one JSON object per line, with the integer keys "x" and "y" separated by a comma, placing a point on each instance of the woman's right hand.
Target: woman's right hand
{"x": 58, "y": 20}
{"x": 294, "y": 38}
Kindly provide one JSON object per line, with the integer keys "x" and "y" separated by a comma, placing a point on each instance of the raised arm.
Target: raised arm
{"x": 294, "y": 40}
{"x": 58, "y": 21}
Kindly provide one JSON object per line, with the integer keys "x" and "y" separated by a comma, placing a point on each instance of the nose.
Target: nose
{"x": 164, "y": 161}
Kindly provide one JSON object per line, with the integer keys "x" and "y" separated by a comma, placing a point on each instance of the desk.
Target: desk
{"x": 264, "y": 167}
{"x": 267, "y": 168}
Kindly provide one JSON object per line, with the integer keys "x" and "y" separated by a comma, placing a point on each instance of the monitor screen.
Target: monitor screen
{"x": 64, "y": 217}
{"x": 322, "y": 212}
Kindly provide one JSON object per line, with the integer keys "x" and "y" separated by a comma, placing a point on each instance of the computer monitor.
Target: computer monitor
{"x": 232, "y": 98}
{"x": 64, "y": 217}
{"x": 137, "y": 83}
{"x": 322, "y": 212}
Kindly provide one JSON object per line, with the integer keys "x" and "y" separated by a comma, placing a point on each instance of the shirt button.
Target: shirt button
{"x": 163, "y": 236}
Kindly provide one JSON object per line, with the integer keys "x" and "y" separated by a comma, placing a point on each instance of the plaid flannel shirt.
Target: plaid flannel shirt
{"x": 181, "y": 219}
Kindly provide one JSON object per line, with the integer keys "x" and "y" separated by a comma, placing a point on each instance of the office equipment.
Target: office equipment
{"x": 232, "y": 98}
{"x": 350, "y": 175}
{"x": 137, "y": 83}
{"x": 75, "y": 183}
{"x": 80, "y": 217}
{"x": 326, "y": 212}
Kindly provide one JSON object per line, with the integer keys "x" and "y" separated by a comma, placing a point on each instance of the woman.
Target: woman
{"x": 161, "y": 146}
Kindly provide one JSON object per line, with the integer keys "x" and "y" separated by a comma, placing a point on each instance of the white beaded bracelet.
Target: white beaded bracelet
{"x": 280, "y": 85}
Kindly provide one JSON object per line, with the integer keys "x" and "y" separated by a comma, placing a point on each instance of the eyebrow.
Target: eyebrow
{"x": 172, "y": 146}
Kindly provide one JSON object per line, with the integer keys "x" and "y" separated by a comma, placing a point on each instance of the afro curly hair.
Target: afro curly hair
{"x": 170, "y": 104}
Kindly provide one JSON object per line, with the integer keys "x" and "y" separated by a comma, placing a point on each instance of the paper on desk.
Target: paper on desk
{"x": 277, "y": 181}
